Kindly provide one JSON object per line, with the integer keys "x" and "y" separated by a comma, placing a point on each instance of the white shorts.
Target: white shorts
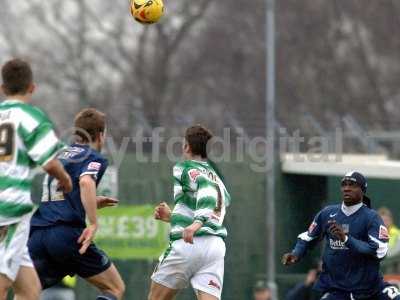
{"x": 13, "y": 248}
{"x": 200, "y": 263}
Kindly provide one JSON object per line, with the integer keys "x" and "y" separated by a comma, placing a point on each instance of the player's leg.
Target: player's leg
{"x": 5, "y": 281}
{"x": 205, "y": 296}
{"x": 63, "y": 250}
{"x": 50, "y": 272}
{"x": 208, "y": 279}
{"x": 173, "y": 272}
{"x": 161, "y": 292}
{"x": 109, "y": 283}
{"x": 5, "y": 284}
{"x": 27, "y": 285}
{"x": 15, "y": 263}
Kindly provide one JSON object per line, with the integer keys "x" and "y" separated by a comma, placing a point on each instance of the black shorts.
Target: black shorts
{"x": 388, "y": 292}
{"x": 55, "y": 254}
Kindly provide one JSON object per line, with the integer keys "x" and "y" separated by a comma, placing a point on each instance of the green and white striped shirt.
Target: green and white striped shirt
{"x": 200, "y": 195}
{"x": 27, "y": 140}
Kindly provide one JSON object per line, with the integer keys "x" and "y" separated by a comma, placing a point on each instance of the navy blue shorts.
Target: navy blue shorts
{"x": 55, "y": 254}
{"x": 388, "y": 292}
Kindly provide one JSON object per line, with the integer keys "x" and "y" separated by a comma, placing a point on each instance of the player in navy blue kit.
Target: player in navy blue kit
{"x": 60, "y": 243}
{"x": 355, "y": 241}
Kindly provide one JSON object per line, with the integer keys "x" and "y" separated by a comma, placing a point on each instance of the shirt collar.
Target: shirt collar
{"x": 349, "y": 210}
{"x": 11, "y": 100}
{"x": 200, "y": 161}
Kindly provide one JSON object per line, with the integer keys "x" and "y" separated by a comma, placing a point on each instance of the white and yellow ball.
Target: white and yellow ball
{"x": 147, "y": 11}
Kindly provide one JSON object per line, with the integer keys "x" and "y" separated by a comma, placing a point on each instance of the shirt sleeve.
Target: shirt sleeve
{"x": 178, "y": 183}
{"x": 378, "y": 239}
{"x": 40, "y": 139}
{"x": 309, "y": 238}
{"x": 95, "y": 168}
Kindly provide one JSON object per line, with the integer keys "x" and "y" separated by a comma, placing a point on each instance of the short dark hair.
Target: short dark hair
{"x": 197, "y": 137}
{"x": 17, "y": 76}
{"x": 89, "y": 122}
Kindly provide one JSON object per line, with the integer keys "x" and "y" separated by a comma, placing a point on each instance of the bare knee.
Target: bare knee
{"x": 27, "y": 285}
{"x": 159, "y": 292}
{"x": 29, "y": 291}
{"x": 27, "y": 295}
{"x": 5, "y": 285}
{"x": 205, "y": 296}
{"x": 3, "y": 292}
{"x": 153, "y": 295}
{"x": 117, "y": 289}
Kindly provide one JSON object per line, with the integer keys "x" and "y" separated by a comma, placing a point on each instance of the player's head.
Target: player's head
{"x": 261, "y": 291}
{"x": 353, "y": 187}
{"x": 90, "y": 127}
{"x": 17, "y": 78}
{"x": 195, "y": 144}
{"x": 386, "y": 216}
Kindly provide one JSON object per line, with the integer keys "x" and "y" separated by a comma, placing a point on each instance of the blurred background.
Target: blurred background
{"x": 337, "y": 89}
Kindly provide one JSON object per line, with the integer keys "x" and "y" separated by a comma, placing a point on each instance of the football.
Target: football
{"x": 147, "y": 11}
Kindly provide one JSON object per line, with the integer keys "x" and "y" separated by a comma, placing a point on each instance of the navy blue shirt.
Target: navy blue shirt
{"x": 59, "y": 208}
{"x": 351, "y": 266}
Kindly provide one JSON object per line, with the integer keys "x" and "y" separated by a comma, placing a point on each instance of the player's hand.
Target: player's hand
{"x": 311, "y": 277}
{"x": 289, "y": 259}
{"x": 337, "y": 231}
{"x": 162, "y": 212}
{"x": 188, "y": 232}
{"x": 106, "y": 202}
{"x": 87, "y": 237}
{"x": 65, "y": 184}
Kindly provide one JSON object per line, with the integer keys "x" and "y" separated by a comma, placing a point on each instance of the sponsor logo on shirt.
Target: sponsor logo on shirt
{"x": 337, "y": 245}
{"x": 193, "y": 174}
{"x": 383, "y": 233}
{"x": 214, "y": 284}
{"x": 312, "y": 227}
{"x": 95, "y": 166}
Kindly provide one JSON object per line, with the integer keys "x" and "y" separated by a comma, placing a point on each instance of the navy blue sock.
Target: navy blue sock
{"x": 106, "y": 297}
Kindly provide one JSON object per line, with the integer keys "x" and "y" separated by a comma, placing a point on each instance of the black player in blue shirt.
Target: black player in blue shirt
{"x": 60, "y": 243}
{"x": 356, "y": 240}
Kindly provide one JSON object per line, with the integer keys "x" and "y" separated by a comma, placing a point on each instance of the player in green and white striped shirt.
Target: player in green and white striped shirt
{"x": 27, "y": 140}
{"x": 197, "y": 249}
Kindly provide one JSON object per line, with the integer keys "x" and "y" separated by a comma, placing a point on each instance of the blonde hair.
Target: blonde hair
{"x": 384, "y": 211}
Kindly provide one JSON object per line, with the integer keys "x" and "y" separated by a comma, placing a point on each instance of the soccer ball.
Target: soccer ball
{"x": 147, "y": 11}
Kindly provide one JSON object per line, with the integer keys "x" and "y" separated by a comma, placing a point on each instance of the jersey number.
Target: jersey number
{"x": 51, "y": 191}
{"x": 6, "y": 142}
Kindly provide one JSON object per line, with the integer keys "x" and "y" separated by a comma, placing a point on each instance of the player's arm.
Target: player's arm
{"x": 103, "y": 201}
{"x": 378, "y": 238}
{"x": 305, "y": 241}
{"x": 89, "y": 201}
{"x": 43, "y": 145}
{"x": 206, "y": 202}
{"x": 88, "y": 180}
{"x": 162, "y": 211}
{"x": 55, "y": 168}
